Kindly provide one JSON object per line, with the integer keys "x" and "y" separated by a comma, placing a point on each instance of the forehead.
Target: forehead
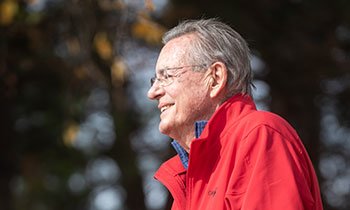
{"x": 174, "y": 53}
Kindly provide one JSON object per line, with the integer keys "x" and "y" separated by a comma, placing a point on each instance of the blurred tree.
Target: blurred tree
{"x": 52, "y": 55}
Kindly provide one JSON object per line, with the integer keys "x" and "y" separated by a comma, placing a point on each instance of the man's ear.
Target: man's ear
{"x": 218, "y": 79}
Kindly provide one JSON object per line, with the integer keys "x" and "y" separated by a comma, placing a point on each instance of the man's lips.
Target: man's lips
{"x": 163, "y": 107}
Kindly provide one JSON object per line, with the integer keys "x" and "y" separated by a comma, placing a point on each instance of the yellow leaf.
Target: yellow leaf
{"x": 8, "y": 10}
{"x": 118, "y": 72}
{"x": 70, "y": 133}
{"x": 147, "y": 30}
{"x": 149, "y": 5}
{"x": 103, "y": 46}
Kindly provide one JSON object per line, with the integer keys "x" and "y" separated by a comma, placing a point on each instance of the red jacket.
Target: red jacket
{"x": 244, "y": 160}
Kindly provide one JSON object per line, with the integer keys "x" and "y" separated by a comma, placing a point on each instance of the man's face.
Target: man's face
{"x": 186, "y": 99}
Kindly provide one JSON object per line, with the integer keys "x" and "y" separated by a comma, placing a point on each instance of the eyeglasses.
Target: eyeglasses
{"x": 166, "y": 79}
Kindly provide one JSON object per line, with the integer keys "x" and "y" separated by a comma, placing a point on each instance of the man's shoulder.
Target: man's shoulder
{"x": 259, "y": 116}
{"x": 263, "y": 119}
{"x": 258, "y": 120}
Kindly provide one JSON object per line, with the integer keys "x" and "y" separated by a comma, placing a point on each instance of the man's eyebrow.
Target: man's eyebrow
{"x": 161, "y": 71}
{"x": 167, "y": 68}
{"x": 164, "y": 70}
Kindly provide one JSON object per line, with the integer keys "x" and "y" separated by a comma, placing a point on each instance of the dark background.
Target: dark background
{"x": 76, "y": 129}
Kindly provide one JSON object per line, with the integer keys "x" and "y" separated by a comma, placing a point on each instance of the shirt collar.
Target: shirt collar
{"x": 199, "y": 127}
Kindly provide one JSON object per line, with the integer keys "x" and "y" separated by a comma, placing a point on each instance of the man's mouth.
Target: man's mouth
{"x": 165, "y": 107}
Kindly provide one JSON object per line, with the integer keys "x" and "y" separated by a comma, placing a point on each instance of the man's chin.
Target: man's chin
{"x": 167, "y": 129}
{"x": 164, "y": 129}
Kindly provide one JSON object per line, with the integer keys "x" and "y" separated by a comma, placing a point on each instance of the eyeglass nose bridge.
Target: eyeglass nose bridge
{"x": 169, "y": 79}
{"x": 159, "y": 81}
{"x": 153, "y": 80}
{"x": 162, "y": 82}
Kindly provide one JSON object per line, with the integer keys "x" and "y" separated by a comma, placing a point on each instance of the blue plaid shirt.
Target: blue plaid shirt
{"x": 199, "y": 127}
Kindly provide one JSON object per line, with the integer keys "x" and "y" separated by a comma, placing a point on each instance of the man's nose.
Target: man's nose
{"x": 155, "y": 92}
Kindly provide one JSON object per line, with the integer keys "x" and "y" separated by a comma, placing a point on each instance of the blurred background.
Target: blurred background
{"x": 77, "y": 131}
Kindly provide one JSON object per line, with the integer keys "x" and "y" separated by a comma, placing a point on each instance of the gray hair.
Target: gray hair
{"x": 216, "y": 41}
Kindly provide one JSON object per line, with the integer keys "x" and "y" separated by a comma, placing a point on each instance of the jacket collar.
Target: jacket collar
{"x": 199, "y": 127}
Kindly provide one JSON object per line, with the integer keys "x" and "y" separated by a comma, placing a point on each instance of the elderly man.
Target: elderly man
{"x": 230, "y": 156}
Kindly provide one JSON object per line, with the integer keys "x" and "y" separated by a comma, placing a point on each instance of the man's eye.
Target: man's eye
{"x": 167, "y": 76}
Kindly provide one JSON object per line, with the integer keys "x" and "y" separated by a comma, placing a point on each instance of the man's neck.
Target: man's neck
{"x": 199, "y": 127}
